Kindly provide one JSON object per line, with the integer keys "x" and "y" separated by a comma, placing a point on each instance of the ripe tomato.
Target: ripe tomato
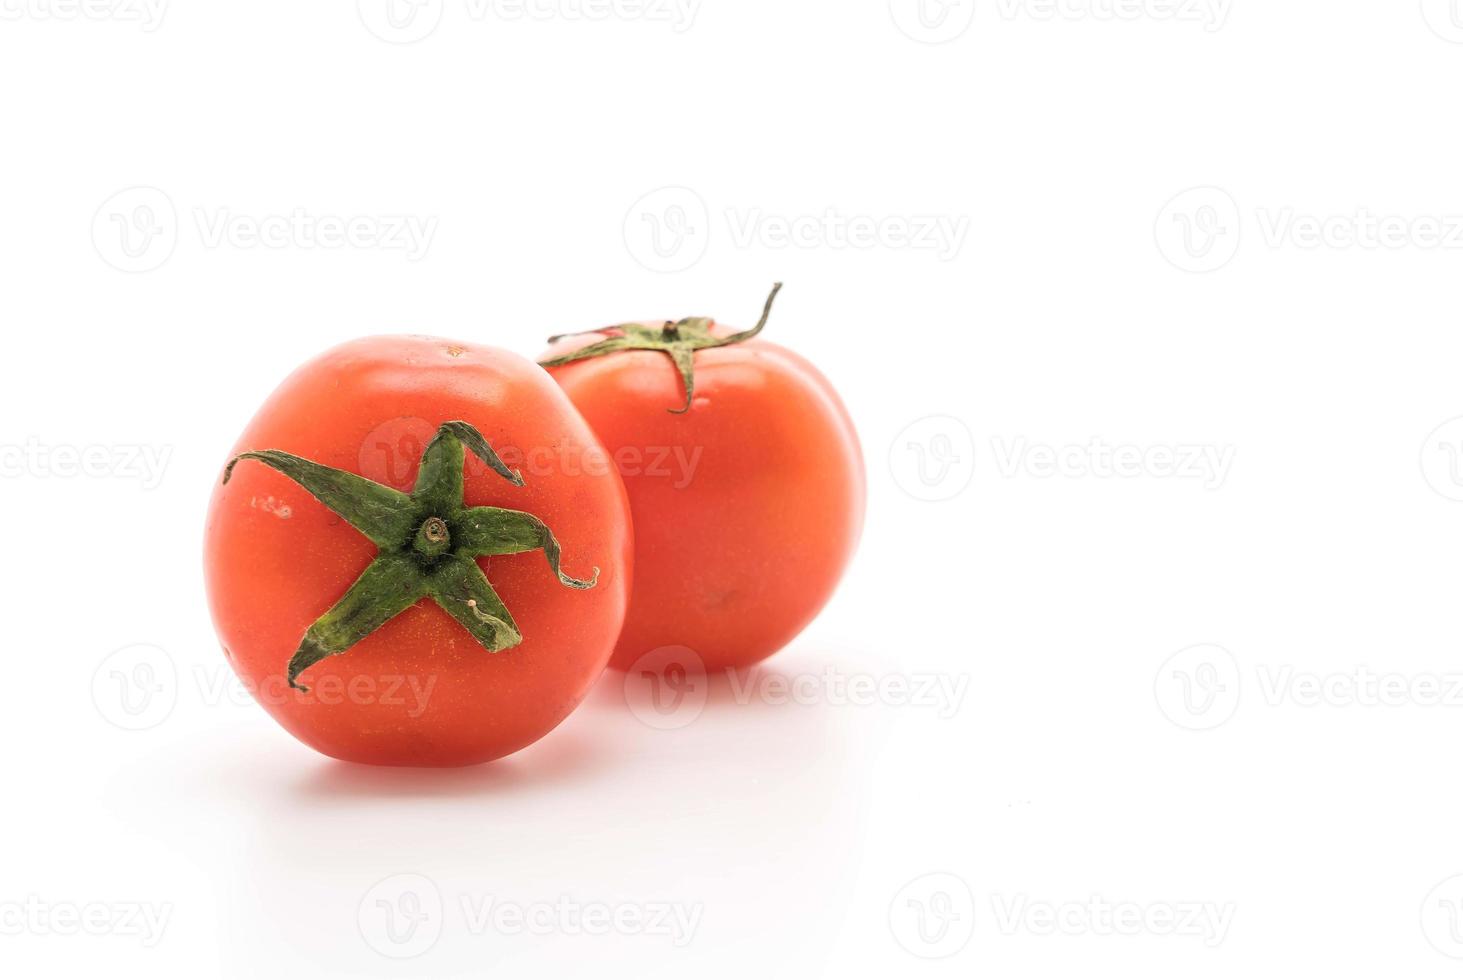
{"x": 745, "y": 480}
{"x": 332, "y": 548}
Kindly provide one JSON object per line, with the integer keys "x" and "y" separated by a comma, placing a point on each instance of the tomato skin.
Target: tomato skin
{"x": 747, "y": 508}
{"x": 420, "y": 691}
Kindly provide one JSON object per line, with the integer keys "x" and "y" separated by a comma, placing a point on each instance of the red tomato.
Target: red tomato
{"x": 422, "y": 688}
{"x": 747, "y": 505}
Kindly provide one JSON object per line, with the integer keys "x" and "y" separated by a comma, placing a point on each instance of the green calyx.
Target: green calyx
{"x": 680, "y": 339}
{"x": 427, "y": 543}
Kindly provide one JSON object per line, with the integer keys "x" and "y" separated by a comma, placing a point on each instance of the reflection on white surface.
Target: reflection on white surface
{"x": 608, "y": 842}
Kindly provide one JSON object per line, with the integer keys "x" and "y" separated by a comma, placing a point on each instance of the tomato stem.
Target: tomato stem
{"x": 428, "y": 541}
{"x": 680, "y": 339}
{"x": 433, "y": 538}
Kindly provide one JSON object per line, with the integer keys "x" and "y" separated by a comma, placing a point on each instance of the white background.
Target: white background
{"x": 1191, "y": 693}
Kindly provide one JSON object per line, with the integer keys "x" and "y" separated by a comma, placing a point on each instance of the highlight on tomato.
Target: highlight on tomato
{"x": 387, "y": 581}
{"x": 745, "y": 478}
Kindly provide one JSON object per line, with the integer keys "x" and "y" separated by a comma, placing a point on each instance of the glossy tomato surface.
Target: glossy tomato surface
{"x": 747, "y": 508}
{"x": 420, "y": 690}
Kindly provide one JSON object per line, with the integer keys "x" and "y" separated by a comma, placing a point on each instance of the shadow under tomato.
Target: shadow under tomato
{"x": 605, "y": 805}
{"x": 559, "y": 757}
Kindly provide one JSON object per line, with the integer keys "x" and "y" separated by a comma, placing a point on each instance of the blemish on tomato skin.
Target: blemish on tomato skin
{"x": 455, "y": 350}
{"x": 272, "y": 505}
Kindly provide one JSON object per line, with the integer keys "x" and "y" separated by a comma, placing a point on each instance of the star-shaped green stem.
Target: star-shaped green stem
{"x": 427, "y": 540}
{"x": 680, "y": 339}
